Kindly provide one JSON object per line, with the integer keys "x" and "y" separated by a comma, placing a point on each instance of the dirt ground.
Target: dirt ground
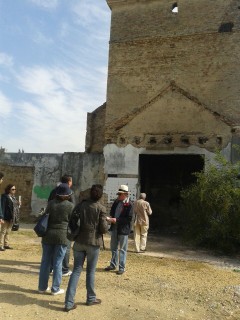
{"x": 169, "y": 281}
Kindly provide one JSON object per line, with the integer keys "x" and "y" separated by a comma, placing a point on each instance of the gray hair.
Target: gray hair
{"x": 142, "y": 196}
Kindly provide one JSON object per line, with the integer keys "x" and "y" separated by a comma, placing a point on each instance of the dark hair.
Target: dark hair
{"x": 1, "y": 175}
{"x": 96, "y": 192}
{"x": 66, "y": 178}
{"x": 8, "y": 188}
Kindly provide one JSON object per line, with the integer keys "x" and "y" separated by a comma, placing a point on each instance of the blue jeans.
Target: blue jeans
{"x": 122, "y": 241}
{"x": 56, "y": 254}
{"x": 65, "y": 263}
{"x": 91, "y": 253}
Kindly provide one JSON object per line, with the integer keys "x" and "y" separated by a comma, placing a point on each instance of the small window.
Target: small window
{"x": 202, "y": 140}
{"x": 152, "y": 140}
{"x": 219, "y": 140}
{"x": 167, "y": 140}
{"x": 175, "y": 8}
{"x": 226, "y": 27}
{"x": 185, "y": 139}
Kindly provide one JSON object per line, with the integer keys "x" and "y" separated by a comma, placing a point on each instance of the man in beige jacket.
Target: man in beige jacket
{"x": 141, "y": 210}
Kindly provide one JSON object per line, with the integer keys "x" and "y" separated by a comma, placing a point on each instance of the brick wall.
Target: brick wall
{"x": 22, "y": 177}
{"x": 150, "y": 48}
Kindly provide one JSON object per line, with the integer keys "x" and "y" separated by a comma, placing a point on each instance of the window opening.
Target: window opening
{"x": 175, "y": 8}
{"x": 226, "y": 27}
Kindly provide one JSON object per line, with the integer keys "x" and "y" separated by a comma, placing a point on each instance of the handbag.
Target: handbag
{"x": 42, "y": 225}
{"x": 15, "y": 227}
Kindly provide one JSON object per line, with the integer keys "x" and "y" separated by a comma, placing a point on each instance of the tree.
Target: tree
{"x": 211, "y": 215}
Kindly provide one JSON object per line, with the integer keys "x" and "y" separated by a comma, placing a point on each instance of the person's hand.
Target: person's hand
{"x": 111, "y": 220}
{"x": 1, "y": 221}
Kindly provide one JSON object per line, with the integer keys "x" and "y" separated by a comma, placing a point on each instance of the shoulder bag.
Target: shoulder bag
{"x": 41, "y": 226}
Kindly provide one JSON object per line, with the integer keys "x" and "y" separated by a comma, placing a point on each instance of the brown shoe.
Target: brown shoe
{"x": 2, "y": 249}
{"x": 69, "y": 309}
{"x": 7, "y": 247}
{"x": 92, "y": 303}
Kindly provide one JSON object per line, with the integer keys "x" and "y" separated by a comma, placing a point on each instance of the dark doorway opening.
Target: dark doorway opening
{"x": 162, "y": 177}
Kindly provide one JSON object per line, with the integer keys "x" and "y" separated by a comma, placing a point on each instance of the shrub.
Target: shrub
{"x": 211, "y": 215}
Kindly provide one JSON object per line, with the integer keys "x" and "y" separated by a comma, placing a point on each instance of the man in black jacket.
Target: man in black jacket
{"x": 120, "y": 218}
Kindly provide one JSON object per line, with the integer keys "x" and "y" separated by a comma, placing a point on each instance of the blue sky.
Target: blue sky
{"x": 53, "y": 70}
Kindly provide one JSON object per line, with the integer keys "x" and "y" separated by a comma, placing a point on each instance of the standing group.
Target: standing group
{"x": 93, "y": 224}
{"x": 90, "y": 220}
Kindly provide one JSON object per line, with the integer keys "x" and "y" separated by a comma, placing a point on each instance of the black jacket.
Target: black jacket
{"x": 7, "y": 207}
{"x": 125, "y": 218}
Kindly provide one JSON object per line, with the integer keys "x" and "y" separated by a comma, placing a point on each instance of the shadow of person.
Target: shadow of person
{"x": 20, "y": 299}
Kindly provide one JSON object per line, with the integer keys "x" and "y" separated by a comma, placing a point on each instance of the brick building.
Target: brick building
{"x": 173, "y": 96}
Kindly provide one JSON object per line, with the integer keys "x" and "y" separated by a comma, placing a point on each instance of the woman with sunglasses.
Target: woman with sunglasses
{"x": 10, "y": 213}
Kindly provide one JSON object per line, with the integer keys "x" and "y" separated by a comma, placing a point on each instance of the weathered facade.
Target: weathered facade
{"x": 172, "y": 97}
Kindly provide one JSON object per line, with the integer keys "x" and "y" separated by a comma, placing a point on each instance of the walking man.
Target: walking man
{"x": 141, "y": 210}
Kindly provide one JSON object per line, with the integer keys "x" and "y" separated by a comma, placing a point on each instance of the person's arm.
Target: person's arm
{"x": 72, "y": 199}
{"x": 149, "y": 210}
{"x": 52, "y": 195}
{"x": 103, "y": 224}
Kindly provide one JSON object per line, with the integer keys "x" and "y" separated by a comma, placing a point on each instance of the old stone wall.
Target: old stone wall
{"x": 96, "y": 130}
{"x": 35, "y": 175}
{"x": 166, "y": 62}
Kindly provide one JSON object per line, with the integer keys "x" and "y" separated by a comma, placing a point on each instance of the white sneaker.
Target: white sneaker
{"x": 67, "y": 274}
{"x": 60, "y": 291}
{"x": 44, "y": 291}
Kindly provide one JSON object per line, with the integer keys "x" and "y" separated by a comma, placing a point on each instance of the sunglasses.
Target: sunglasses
{"x": 13, "y": 189}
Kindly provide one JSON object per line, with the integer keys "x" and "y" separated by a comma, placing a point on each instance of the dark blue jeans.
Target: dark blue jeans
{"x": 91, "y": 253}
{"x": 56, "y": 254}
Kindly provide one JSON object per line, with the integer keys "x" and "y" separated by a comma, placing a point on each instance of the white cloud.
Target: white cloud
{"x": 5, "y": 106}
{"x": 6, "y": 60}
{"x": 47, "y": 4}
{"x": 88, "y": 12}
{"x": 43, "y": 81}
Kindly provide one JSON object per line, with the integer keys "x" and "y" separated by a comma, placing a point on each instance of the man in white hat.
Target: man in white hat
{"x": 121, "y": 214}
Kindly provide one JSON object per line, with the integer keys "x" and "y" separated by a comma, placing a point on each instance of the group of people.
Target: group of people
{"x": 9, "y": 214}
{"x": 92, "y": 222}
